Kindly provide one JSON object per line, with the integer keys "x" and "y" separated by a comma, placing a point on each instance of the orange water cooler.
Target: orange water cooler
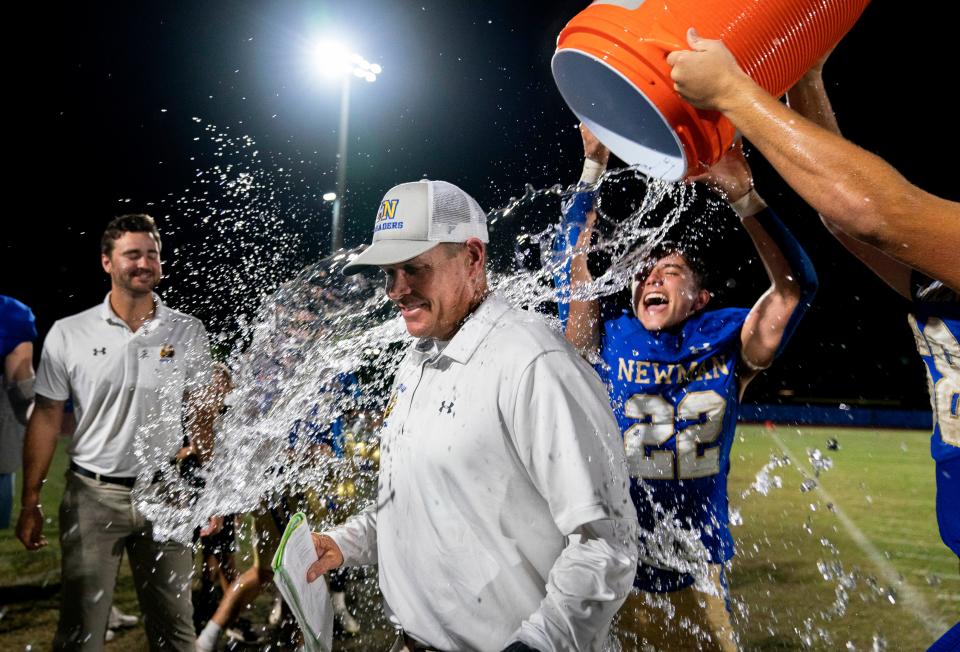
{"x": 610, "y": 66}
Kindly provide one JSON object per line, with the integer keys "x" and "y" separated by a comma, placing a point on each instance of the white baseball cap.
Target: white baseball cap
{"x": 417, "y": 216}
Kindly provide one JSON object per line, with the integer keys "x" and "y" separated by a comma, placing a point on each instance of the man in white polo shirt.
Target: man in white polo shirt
{"x": 129, "y": 364}
{"x": 503, "y": 519}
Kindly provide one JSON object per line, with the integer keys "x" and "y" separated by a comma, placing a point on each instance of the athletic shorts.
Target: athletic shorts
{"x": 684, "y": 619}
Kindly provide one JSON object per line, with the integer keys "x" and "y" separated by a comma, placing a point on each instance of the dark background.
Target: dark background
{"x": 118, "y": 107}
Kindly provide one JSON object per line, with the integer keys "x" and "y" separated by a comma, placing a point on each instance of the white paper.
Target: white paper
{"x": 310, "y": 602}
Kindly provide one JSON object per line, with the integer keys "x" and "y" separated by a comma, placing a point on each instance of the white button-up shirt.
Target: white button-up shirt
{"x": 127, "y": 387}
{"x": 503, "y": 511}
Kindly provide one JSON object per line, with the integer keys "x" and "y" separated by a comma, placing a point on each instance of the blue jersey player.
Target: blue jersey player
{"x": 676, "y": 371}
{"x": 934, "y": 316}
{"x": 935, "y": 320}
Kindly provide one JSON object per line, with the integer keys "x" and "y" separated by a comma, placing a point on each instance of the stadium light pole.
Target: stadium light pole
{"x": 332, "y": 59}
{"x": 331, "y": 197}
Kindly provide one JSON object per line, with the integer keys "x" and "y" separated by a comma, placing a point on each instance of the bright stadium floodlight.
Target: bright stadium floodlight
{"x": 332, "y": 58}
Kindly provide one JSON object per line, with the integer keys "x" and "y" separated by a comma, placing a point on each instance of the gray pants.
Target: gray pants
{"x": 97, "y": 522}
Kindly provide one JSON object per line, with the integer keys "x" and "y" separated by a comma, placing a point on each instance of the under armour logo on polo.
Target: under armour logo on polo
{"x": 101, "y": 351}
{"x": 444, "y": 406}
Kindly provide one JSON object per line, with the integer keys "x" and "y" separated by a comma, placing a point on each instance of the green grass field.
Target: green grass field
{"x": 869, "y": 525}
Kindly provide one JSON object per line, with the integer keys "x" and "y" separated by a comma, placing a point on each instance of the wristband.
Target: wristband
{"x": 592, "y": 171}
{"x": 750, "y": 204}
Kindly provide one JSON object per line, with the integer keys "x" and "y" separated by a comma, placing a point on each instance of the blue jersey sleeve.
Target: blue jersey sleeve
{"x": 574, "y": 216}
{"x": 800, "y": 266}
{"x": 17, "y": 325}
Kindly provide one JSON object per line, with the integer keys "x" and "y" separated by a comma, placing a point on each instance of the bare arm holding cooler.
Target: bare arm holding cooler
{"x": 808, "y": 97}
{"x": 854, "y": 190}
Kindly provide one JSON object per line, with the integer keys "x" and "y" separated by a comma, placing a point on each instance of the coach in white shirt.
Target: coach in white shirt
{"x": 129, "y": 365}
{"x": 503, "y": 519}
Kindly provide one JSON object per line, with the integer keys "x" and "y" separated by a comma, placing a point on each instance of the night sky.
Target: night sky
{"x": 129, "y": 106}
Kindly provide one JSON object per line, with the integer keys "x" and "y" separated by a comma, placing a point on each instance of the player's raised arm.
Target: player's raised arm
{"x": 583, "y": 319}
{"x": 858, "y": 192}
{"x": 793, "y": 282}
{"x": 583, "y": 322}
{"x": 808, "y": 97}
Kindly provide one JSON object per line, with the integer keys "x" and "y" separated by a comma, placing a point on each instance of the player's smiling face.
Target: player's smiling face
{"x": 434, "y": 291}
{"x": 667, "y": 294}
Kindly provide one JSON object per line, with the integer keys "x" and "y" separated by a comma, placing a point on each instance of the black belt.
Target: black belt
{"x": 109, "y": 479}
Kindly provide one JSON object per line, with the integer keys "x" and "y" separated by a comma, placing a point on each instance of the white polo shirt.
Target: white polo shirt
{"x": 127, "y": 387}
{"x": 493, "y": 450}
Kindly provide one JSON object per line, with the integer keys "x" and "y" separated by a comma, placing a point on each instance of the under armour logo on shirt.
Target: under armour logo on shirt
{"x": 444, "y": 406}
{"x": 101, "y": 351}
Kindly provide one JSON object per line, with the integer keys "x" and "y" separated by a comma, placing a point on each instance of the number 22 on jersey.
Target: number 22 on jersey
{"x": 657, "y": 423}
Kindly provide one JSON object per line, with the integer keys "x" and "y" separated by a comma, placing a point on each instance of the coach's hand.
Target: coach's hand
{"x": 328, "y": 556}
{"x": 30, "y": 528}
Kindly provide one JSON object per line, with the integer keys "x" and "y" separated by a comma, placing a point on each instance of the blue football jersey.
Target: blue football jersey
{"x": 675, "y": 398}
{"x": 935, "y": 320}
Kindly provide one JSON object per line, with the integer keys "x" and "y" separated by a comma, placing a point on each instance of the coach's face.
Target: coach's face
{"x": 134, "y": 263}
{"x": 437, "y": 290}
{"x": 667, "y": 294}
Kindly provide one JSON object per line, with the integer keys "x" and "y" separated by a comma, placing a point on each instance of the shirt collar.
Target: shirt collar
{"x": 471, "y": 334}
{"x": 159, "y": 315}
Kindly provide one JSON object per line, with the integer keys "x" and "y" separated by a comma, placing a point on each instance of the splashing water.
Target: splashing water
{"x": 764, "y": 482}
{"x": 320, "y": 358}
{"x": 313, "y": 355}
{"x": 819, "y": 462}
{"x": 313, "y": 352}
{"x": 320, "y": 351}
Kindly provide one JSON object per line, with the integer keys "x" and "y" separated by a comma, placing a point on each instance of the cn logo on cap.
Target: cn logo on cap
{"x": 388, "y": 210}
{"x": 387, "y": 216}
